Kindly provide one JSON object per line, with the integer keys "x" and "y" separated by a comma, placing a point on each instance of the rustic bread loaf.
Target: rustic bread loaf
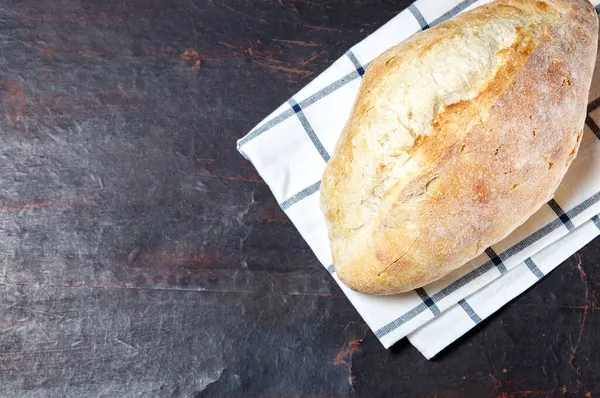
{"x": 458, "y": 135}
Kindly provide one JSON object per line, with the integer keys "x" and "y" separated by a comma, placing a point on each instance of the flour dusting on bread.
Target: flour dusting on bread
{"x": 439, "y": 158}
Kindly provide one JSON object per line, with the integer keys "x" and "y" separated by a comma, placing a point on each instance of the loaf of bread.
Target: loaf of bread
{"x": 458, "y": 135}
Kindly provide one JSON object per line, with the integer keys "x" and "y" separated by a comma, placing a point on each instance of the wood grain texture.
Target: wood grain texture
{"x": 141, "y": 255}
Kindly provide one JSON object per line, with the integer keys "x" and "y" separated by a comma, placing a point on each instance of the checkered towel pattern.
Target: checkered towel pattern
{"x": 291, "y": 147}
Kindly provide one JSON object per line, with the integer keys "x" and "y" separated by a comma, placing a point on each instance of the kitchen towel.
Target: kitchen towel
{"x": 291, "y": 146}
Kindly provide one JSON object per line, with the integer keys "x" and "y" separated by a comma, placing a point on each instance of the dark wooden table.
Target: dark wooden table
{"x": 141, "y": 255}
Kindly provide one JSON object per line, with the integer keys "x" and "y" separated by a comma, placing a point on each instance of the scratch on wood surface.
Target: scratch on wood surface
{"x": 131, "y": 285}
{"x": 132, "y": 256}
{"x": 206, "y": 257}
{"x": 583, "y": 277}
{"x": 353, "y": 346}
{"x": 191, "y": 55}
{"x": 163, "y": 54}
{"x": 297, "y": 43}
{"x": 493, "y": 375}
{"x": 301, "y": 72}
{"x": 344, "y": 356}
{"x": 42, "y": 205}
{"x": 37, "y": 352}
{"x": 309, "y": 60}
{"x": 276, "y": 219}
{"x": 229, "y": 45}
{"x": 34, "y": 310}
{"x": 315, "y": 3}
{"x": 269, "y": 59}
{"x": 533, "y": 393}
{"x": 87, "y": 106}
{"x": 229, "y": 178}
{"x": 243, "y": 52}
{"x": 497, "y": 382}
{"x": 44, "y": 18}
{"x": 205, "y": 160}
{"x": 15, "y": 106}
{"x": 592, "y": 307}
{"x": 118, "y": 340}
{"x": 322, "y": 28}
{"x": 244, "y": 14}
{"x": 553, "y": 353}
{"x": 96, "y": 95}
{"x": 346, "y": 352}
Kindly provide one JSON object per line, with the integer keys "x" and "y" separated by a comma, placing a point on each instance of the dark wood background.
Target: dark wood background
{"x": 141, "y": 255}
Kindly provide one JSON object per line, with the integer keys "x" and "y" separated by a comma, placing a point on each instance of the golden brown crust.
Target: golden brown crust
{"x": 458, "y": 135}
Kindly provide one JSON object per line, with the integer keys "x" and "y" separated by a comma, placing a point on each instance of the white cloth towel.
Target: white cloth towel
{"x": 292, "y": 145}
